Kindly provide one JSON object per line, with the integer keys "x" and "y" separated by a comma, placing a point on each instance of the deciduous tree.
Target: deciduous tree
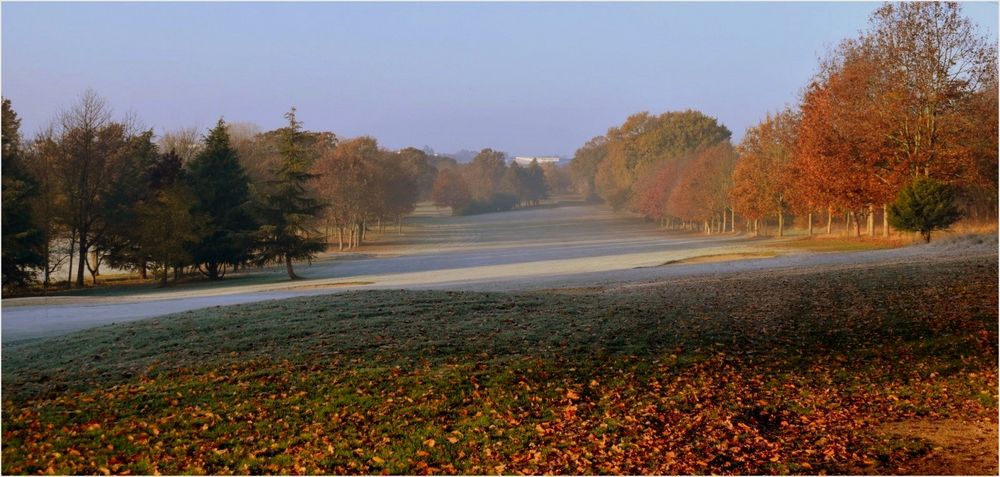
{"x": 485, "y": 173}
{"x": 451, "y": 190}
{"x": 763, "y": 180}
{"x": 98, "y": 166}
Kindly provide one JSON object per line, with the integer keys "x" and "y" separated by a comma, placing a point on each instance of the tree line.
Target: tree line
{"x": 489, "y": 184}
{"x": 909, "y": 105}
{"x": 92, "y": 190}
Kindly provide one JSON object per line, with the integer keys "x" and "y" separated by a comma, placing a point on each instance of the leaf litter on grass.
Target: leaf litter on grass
{"x": 733, "y": 375}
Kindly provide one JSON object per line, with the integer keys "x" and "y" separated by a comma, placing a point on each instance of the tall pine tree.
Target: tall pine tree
{"x": 22, "y": 241}
{"x": 286, "y": 209}
{"x": 222, "y": 190}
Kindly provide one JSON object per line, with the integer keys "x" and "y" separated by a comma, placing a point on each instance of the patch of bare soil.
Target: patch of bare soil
{"x": 958, "y": 447}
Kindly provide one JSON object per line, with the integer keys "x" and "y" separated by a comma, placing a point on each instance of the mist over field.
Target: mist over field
{"x": 670, "y": 239}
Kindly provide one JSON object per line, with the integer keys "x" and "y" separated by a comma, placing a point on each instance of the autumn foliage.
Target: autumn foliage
{"x": 724, "y": 375}
{"x": 915, "y": 95}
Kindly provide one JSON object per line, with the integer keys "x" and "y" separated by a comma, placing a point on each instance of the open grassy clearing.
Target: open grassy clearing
{"x": 766, "y": 372}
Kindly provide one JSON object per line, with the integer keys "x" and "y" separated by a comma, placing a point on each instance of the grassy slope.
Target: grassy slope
{"x": 761, "y": 373}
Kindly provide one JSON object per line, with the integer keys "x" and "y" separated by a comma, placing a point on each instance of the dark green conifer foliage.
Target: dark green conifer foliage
{"x": 22, "y": 240}
{"x": 222, "y": 190}
{"x": 285, "y": 210}
{"x": 923, "y": 206}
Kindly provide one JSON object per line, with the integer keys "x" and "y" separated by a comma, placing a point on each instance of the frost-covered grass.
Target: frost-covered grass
{"x": 764, "y": 372}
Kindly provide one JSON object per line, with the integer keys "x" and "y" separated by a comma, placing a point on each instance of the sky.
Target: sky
{"x": 525, "y": 78}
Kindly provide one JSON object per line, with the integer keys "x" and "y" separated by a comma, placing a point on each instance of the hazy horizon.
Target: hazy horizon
{"x": 524, "y": 78}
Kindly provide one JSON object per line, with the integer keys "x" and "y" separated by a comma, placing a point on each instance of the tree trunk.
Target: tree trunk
{"x": 93, "y": 270}
{"x": 45, "y": 263}
{"x": 885, "y": 220}
{"x": 781, "y": 223}
{"x": 142, "y": 271}
{"x": 166, "y": 270}
{"x": 723, "y": 221}
{"x": 756, "y": 227}
{"x": 72, "y": 242}
{"x": 288, "y": 268}
{"x": 871, "y": 221}
{"x": 926, "y": 235}
{"x": 829, "y": 220}
{"x": 399, "y": 224}
{"x": 82, "y": 261}
{"x": 213, "y": 270}
{"x": 810, "y": 224}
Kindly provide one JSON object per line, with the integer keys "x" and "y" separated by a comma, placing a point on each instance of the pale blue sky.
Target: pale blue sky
{"x": 526, "y": 78}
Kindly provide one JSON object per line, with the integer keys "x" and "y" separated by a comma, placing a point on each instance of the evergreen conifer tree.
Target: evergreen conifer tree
{"x": 22, "y": 241}
{"x": 923, "y": 206}
{"x": 222, "y": 190}
{"x": 286, "y": 209}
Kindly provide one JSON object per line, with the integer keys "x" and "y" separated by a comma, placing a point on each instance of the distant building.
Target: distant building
{"x": 525, "y": 160}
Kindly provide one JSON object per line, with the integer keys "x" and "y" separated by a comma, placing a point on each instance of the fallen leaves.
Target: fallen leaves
{"x": 732, "y": 389}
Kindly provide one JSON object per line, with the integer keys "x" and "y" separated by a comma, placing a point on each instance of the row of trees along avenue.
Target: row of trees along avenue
{"x": 912, "y": 97}
{"x": 93, "y": 190}
{"x": 488, "y": 184}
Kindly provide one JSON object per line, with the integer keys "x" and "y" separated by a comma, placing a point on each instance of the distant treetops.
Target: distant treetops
{"x": 914, "y": 96}
{"x": 489, "y": 184}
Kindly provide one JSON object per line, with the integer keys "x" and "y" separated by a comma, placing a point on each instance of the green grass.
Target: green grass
{"x": 760, "y": 373}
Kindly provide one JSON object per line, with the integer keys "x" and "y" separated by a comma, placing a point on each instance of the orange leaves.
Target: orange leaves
{"x": 711, "y": 416}
{"x": 715, "y": 395}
